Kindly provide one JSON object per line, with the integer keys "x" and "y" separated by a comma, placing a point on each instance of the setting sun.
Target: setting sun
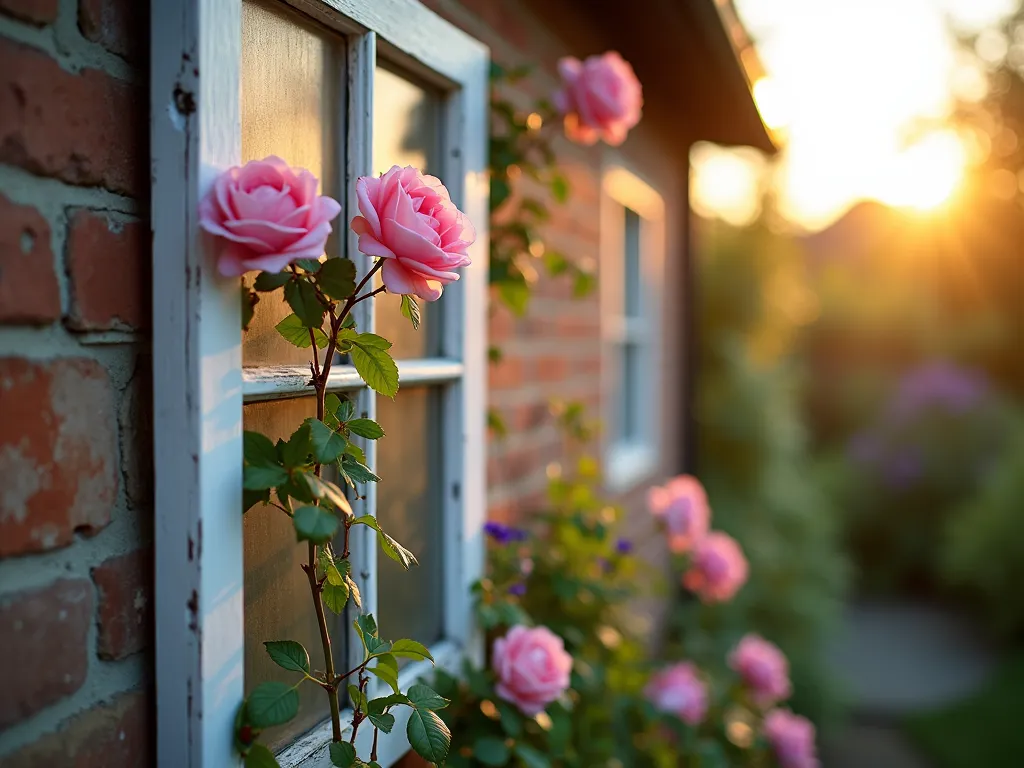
{"x": 926, "y": 174}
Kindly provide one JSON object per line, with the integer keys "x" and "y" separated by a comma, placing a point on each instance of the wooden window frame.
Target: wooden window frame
{"x": 626, "y": 464}
{"x": 200, "y": 384}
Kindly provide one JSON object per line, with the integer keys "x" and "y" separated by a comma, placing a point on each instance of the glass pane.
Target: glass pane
{"x": 409, "y": 508}
{"x": 406, "y": 131}
{"x": 278, "y": 605}
{"x": 630, "y": 412}
{"x": 632, "y": 276}
{"x": 289, "y": 105}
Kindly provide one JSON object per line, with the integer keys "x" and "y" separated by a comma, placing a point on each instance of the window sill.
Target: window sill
{"x": 311, "y": 750}
{"x": 626, "y": 465}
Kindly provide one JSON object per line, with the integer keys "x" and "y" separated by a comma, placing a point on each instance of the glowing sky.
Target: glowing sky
{"x": 857, "y": 90}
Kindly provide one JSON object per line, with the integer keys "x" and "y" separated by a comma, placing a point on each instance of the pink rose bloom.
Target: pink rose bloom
{"x": 678, "y": 690}
{"x": 764, "y": 670}
{"x": 792, "y": 738}
{"x": 718, "y": 568}
{"x": 270, "y": 215}
{"x": 600, "y": 98}
{"x": 532, "y": 667}
{"x": 409, "y": 220}
{"x": 682, "y": 505}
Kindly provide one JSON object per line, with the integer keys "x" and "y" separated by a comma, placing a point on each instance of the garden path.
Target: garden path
{"x": 894, "y": 658}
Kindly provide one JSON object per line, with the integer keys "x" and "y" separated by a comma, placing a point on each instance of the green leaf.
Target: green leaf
{"x": 411, "y": 649}
{"x": 428, "y": 735}
{"x": 490, "y": 751}
{"x": 295, "y": 452}
{"x": 335, "y": 595}
{"x": 271, "y": 281}
{"x": 296, "y": 334}
{"x": 387, "y": 670}
{"x": 309, "y": 265}
{"x": 356, "y": 453}
{"x": 262, "y": 478}
{"x": 366, "y": 624}
{"x": 367, "y": 428}
{"x": 353, "y": 589}
{"x": 411, "y": 311}
{"x": 314, "y": 524}
{"x": 384, "y": 702}
{"x": 259, "y": 756}
{"x": 328, "y": 445}
{"x": 357, "y": 697}
{"x": 334, "y": 575}
{"x": 337, "y": 278}
{"x": 500, "y": 190}
{"x": 560, "y": 187}
{"x": 396, "y": 551}
{"x": 249, "y": 302}
{"x": 331, "y": 405}
{"x": 325, "y": 490}
{"x": 252, "y": 498}
{"x": 272, "y": 703}
{"x": 531, "y": 757}
{"x": 383, "y": 721}
{"x": 515, "y": 294}
{"x": 511, "y": 720}
{"x": 288, "y": 654}
{"x": 356, "y": 471}
{"x": 374, "y": 365}
{"x": 258, "y": 449}
{"x": 343, "y": 754}
{"x": 425, "y": 697}
{"x": 301, "y": 297}
{"x": 583, "y": 283}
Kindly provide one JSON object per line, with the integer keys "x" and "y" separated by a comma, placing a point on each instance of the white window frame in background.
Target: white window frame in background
{"x": 199, "y": 383}
{"x": 628, "y": 463}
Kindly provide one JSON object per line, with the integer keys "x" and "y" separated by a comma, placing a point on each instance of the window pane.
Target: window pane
{"x": 278, "y": 605}
{"x": 630, "y": 395}
{"x": 406, "y": 131}
{"x": 633, "y": 276}
{"x": 289, "y": 82}
{"x": 409, "y": 508}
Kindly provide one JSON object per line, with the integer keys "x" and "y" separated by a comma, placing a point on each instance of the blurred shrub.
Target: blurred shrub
{"x": 924, "y": 452}
{"x": 754, "y": 459}
{"x": 983, "y": 550}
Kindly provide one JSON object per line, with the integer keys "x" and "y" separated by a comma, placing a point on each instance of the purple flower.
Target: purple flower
{"x": 623, "y": 546}
{"x": 504, "y": 534}
{"x": 518, "y": 589}
{"x": 604, "y": 564}
{"x": 937, "y": 385}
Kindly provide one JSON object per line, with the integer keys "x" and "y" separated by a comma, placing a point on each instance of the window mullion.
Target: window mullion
{"x": 358, "y": 101}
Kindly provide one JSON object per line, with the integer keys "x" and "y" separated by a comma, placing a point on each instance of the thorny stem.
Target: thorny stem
{"x": 320, "y": 377}
{"x": 373, "y": 752}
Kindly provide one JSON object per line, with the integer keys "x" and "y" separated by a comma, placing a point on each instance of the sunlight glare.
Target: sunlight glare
{"x": 926, "y": 174}
{"x": 771, "y": 103}
{"x": 726, "y": 183}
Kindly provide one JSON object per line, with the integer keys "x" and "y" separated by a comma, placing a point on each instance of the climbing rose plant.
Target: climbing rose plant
{"x": 269, "y": 217}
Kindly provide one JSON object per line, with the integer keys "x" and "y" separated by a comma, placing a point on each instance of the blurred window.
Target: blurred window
{"x": 632, "y": 248}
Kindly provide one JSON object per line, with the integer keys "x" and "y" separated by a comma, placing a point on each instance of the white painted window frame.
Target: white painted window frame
{"x": 628, "y": 463}
{"x": 200, "y": 384}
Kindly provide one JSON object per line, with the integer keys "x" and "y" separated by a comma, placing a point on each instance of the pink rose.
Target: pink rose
{"x": 678, "y": 690}
{"x": 409, "y": 220}
{"x": 764, "y": 670}
{"x": 792, "y": 739}
{"x": 682, "y": 505}
{"x": 600, "y": 98}
{"x": 269, "y": 213}
{"x": 532, "y": 667}
{"x": 718, "y": 568}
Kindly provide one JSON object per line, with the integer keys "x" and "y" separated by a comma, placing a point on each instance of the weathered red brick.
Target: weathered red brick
{"x": 29, "y": 292}
{"x": 43, "y": 634}
{"x": 118, "y": 25}
{"x": 38, "y": 12}
{"x": 506, "y": 374}
{"x": 125, "y": 610}
{"x": 86, "y": 129}
{"x": 551, "y": 368}
{"x": 107, "y": 262}
{"x": 117, "y": 733}
{"x": 58, "y": 453}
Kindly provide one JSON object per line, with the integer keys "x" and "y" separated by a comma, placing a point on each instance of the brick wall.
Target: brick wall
{"x": 76, "y": 507}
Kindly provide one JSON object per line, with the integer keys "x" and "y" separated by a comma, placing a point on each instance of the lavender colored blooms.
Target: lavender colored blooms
{"x": 718, "y": 568}
{"x": 518, "y": 589}
{"x": 937, "y": 385}
{"x": 764, "y": 669}
{"x": 504, "y": 534}
{"x": 678, "y": 690}
{"x": 792, "y": 739}
{"x": 623, "y": 546}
